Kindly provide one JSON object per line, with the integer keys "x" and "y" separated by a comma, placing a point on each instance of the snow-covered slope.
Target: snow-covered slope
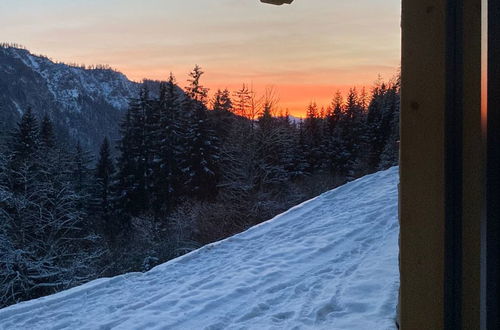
{"x": 329, "y": 263}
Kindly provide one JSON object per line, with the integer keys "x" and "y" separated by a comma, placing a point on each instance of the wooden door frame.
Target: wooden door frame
{"x": 441, "y": 164}
{"x": 491, "y": 278}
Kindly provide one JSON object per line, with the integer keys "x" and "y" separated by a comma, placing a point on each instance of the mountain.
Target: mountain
{"x": 295, "y": 120}
{"x": 329, "y": 263}
{"x": 86, "y": 104}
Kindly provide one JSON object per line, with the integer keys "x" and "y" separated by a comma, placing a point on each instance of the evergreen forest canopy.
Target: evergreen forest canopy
{"x": 187, "y": 171}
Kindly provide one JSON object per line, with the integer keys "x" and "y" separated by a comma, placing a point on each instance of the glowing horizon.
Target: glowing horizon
{"x": 306, "y": 51}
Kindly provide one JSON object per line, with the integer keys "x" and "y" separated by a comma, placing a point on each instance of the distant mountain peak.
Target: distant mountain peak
{"x": 86, "y": 103}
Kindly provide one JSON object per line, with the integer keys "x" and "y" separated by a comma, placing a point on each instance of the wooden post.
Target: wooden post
{"x": 473, "y": 166}
{"x": 423, "y": 99}
{"x": 427, "y": 209}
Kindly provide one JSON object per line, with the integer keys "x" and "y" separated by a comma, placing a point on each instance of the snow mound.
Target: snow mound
{"x": 329, "y": 263}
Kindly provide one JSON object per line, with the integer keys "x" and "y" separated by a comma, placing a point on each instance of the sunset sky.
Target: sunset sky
{"x": 306, "y": 50}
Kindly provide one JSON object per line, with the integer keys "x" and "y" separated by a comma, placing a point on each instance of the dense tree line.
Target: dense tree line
{"x": 187, "y": 171}
{"x": 48, "y": 239}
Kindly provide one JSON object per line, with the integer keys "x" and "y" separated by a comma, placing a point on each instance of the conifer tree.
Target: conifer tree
{"x": 313, "y": 137}
{"x": 352, "y": 133}
{"x": 49, "y": 247}
{"x": 298, "y": 167}
{"x": 273, "y": 148}
{"x": 26, "y": 138}
{"x": 134, "y": 165}
{"x": 24, "y": 146}
{"x": 222, "y": 118}
{"x": 167, "y": 184}
{"x": 335, "y": 113}
{"x": 124, "y": 185}
{"x": 144, "y": 148}
{"x": 222, "y": 101}
{"x": 390, "y": 154}
{"x": 266, "y": 120}
{"x": 82, "y": 176}
{"x": 383, "y": 125}
{"x": 47, "y": 136}
{"x": 195, "y": 90}
{"x": 199, "y": 164}
{"x": 104, "y": 173}
{"x": 374, "y": 122}
{"x": 242, "y": 101}
{"x": 153, "y": 136}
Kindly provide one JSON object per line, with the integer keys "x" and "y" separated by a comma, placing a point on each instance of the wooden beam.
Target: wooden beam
{"x": 440, "y": 234}
{"x": 422, "y": 190}
{"x": 473, "y": 165}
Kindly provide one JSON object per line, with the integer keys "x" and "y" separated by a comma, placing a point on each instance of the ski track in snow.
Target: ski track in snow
{"x": 329, "y": 263}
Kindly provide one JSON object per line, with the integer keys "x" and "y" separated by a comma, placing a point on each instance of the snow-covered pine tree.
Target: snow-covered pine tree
{"x": 47, "y": 137}
{"x": 23, "y": 148}
{"x": 222, "y": 101}
{"x": 352, "y": 133}
{"x": 271, "y": 150}
{"x": 377, "y": 124}
{"x": 383, "y": 125}
{"x": 195, "y": 90}
{"x": 82, "y": 176}
{"x": 45, "y": 246}
{"x": 124, "y": 184}
{"x": 104, "y": 173}
{"x": 199, "y": 163}
{"x": 266, "y": 120}
{"x": 142, "y": 149}
{"x": 239, "y": 165}
{"x": 134, "y": 165}
{"x": 335, "y": 146}
{"x": 335, "y": 113}
{"x": 25, "y": 138}
{"x": 222, "y": 117}
{"x": 313, "y": 138}
{"x": 153, "y": 136}
{"x": 390, "y": 154}
{"x": 167, "y": 185}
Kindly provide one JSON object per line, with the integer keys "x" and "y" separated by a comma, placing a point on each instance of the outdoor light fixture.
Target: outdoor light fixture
{"x": 277, "y": 2}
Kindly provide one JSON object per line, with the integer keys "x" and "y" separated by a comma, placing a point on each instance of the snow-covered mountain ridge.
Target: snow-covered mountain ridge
{"x": 68, "y": 83}
{"x": 329, "y": 263}
{"x": 86, "y": 104}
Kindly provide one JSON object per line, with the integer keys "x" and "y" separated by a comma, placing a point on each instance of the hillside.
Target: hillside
{"x": 85, "y": 104}
{"x": 329, "y": 263}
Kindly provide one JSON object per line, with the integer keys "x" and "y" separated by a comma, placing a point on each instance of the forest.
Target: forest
{"x": 187, "y": 170}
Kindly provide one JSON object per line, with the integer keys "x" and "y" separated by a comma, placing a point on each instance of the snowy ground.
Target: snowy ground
{"x": 330, "y": 263}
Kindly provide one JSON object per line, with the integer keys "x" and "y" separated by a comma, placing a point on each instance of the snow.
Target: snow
{"x": 329, "y": 263}
{"x": 18, "y": 108}
{"x": 295, "y": 120}
{"x": 66, "y": 82}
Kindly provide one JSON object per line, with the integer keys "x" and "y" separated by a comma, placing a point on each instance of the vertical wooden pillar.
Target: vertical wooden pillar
{"x": 422, "y": 190}
{"x": 492, "y": 223}
{"x": 473, "y": 166}
{"x": 440, "y": 220}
